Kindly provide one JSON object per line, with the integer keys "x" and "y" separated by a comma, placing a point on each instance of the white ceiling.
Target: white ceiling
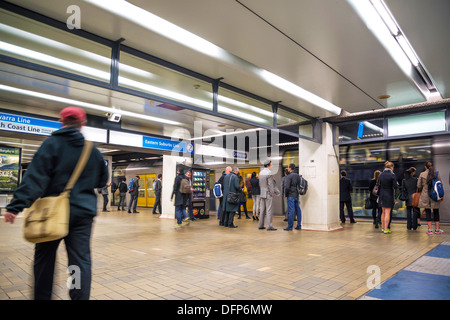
{"x": 319, "y": 45}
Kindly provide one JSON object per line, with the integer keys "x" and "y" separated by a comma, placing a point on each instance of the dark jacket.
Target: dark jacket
{"x": 135, "y": 190}
{"x": 388, "y": 184}
{"x": 180, "y": 198}
{"x": 123, "y": 188}
{"x": 372, "y": 185}
{"x": 158, "y": 187}
{"x": 51, "y": 168}
{"x": 345, "y": 188}
{"x": 410, "y": 185}
{"x": 256, "y": 190}
{"x": 291, "y": 182}
{"x": 230, "y": 186}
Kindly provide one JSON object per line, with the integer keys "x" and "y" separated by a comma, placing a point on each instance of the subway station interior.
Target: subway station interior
{"x": 202, "y": 85}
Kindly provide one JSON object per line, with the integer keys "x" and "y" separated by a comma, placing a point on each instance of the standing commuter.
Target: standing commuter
{"x": 180, "y": 199}
{"x": 285, "y": 205}
{"x": 291, "y": 184}
{"x": 47, "y": 175}
{"x": 409, "y": 185}
{"x": 376, "y": 209}
{"x": 189, "y": 197}
{"x": 158, "y": 191}
{"x": 417, "y": 210}
{"x": 242, "y": 198}
{"x": 256, "y": 191}
{"x": 105, "y": 194}
{"x": 345, "y": 198}
{"x": 388, "y": 184}
{"x": 230, "y": 185}
{"x": 134, "y": 194}
{"x": 425, "y": 201}
{"x": 220, "y": 211}
{"x": 122, "y": 194}
{"x": 269, "y": 190}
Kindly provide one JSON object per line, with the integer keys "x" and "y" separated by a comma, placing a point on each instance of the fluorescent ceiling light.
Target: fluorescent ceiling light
{"x": 86, "y": 105}
{"x": 232, "y": 132}
{"x": 383, "y": 25}
{"x": 171, "y": 31}
{"x": 53, "y": 61}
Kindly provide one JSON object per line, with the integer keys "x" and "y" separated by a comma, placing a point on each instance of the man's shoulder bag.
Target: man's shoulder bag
{"x": 47, "y": 219}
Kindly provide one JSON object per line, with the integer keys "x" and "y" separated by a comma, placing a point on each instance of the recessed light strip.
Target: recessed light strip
{"x": 86, "y": 105}
{"x": 171, "y": 31}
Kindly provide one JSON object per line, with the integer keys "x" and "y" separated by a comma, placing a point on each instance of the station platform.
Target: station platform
{"x": 142, "y": 257}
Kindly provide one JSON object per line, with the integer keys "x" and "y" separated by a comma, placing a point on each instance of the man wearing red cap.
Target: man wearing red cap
{"x": 47, "y": 175}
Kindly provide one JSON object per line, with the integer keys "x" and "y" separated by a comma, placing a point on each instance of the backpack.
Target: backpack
{"x": 436, "y": 189}
{"x": 217, "y": 190}
{"x": 131, "y": 184}
{"x": 185, "y": 186}
{"x": 302, "y": 185}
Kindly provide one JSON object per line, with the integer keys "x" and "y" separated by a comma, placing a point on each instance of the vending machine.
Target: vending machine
{"x": 201, "y": 193}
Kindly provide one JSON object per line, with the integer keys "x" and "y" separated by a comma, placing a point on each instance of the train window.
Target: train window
{"x": 244, "y": 107}
{"x": 361, "y": 130}
{"x": 294, "y": 123}
{"x": 290, "y": 156}
{"x": 36, "y": 42}
{"x": 374, "y": 152}
{"x": 142, "y": 75}
{"x": 412, "y": 150}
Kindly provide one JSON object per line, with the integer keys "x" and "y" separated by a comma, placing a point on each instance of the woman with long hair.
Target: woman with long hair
{"x": 425, "y": 201}
{"x": 256, "y": 191}
{"x": 388, "y": 183}
{"x": 376, "y": 210}
{"x": 416, "y": 210}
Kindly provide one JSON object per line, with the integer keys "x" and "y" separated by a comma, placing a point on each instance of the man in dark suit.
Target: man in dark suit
{"x": 158, "y": 190}
{"x": 345, "y": 188}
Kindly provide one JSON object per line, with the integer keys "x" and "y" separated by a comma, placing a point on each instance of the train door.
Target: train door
{"x": 246, "y": 173}
{"x": 146, "y": 192}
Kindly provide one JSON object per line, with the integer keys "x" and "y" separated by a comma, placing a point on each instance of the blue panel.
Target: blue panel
{"x": 409, "y": 285}
{"x": 441, "y": 251}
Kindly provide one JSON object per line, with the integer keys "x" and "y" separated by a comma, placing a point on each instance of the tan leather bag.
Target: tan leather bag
{"x": 47, "y": 219}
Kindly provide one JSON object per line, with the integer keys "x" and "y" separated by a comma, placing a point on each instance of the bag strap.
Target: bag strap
{"x": 80, "y": 165}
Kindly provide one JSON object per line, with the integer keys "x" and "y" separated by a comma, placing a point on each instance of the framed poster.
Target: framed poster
{"x": 9, "y": 169}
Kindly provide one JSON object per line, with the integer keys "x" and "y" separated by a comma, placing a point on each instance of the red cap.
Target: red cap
{"x": 72, "y": 114}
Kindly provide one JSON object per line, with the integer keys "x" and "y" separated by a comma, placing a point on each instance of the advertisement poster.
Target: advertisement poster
{"x": 9, "y": 169}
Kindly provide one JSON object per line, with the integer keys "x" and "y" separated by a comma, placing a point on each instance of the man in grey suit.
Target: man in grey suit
{"x": 269, "y": 190}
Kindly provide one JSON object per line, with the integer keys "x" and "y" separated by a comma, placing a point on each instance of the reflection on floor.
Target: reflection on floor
{"x": 140, "y": 256}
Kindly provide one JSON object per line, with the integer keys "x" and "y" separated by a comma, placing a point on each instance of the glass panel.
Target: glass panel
{"x": 294, "y": 123}
{"x": 413, "y": 150}
{"x": 361, "y": 130}
{"x": 32, "y": 41}
{"x": 290, "y": 156}
{"x": 240, "y": 106}
{"x": 415, "y": 124}
{"x": 374, "y": 152}
{"x": 145, "y": 76}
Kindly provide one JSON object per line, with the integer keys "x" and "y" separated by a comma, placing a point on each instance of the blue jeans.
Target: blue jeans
{"x": 294, "y": 209}
{"x": 180, "y": 213}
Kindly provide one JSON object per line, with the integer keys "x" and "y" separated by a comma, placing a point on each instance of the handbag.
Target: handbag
{"x": 47, "y": 219}
{"x": 232, "y": 197}
{"x": 368, "y": 203}
{"x": 415, "y": 199}
{"x": 404, "y": 193}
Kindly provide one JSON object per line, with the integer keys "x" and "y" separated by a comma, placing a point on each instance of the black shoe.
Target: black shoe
{"x": 129, "y": 211}
{"x": 353, "y": 221}
{"x": 286, "y": 229}
{"x": 135, "y": 211}
{"x": 232, "y": 226}
{"x": 260, "y": 228}
{"x": 271, "y": 229}
{"x": 298, "y": 228}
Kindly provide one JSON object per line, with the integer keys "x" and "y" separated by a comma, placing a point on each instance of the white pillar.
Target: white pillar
{"x": 168, "y": 176}
{"x": 319, "y": 165}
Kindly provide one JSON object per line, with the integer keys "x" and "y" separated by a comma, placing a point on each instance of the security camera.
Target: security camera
{"x": 114, "y": 117}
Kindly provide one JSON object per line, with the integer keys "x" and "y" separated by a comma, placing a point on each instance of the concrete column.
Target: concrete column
{"x": 168, "y": 177}
{"x": 319, "y": 165}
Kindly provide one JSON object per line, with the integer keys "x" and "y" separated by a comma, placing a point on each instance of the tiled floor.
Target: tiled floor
{"x": 139, "y": 256}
